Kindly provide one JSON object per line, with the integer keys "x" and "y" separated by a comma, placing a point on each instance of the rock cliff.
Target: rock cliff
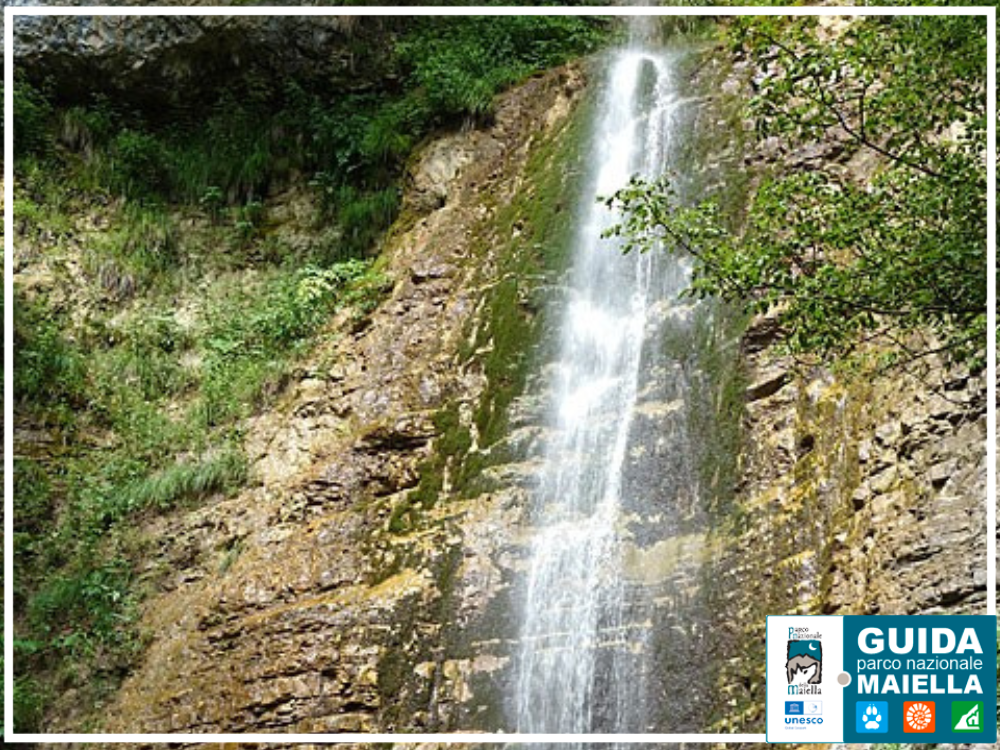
{"x": 333, "y": 595}
{"x": 181, "y": 58}
{"x": 857, "y": 492}
{"x": 364, "y": 581}
{"x": 854, "y": 498}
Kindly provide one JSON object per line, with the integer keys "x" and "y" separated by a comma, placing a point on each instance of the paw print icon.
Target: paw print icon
{"x": 872, "y": 717}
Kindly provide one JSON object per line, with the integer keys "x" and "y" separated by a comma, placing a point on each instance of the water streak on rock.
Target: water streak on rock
{"x": 577, "y": 641}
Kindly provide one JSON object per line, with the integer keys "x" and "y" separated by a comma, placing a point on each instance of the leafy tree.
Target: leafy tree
{"x": 893, "y": 254}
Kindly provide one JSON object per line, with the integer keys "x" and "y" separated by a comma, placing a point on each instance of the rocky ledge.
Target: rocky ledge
{"x": 315, "y": 600}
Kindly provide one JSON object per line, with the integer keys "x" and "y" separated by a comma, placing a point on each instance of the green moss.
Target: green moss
{"x": 719, "y": 392}
{"x": 537, "y": 254}
{"x": 49, "y": 367}
{"x": 510, "y": 321}
{"x": 399, "y": 520}
{"x": 454, "y": 439}
{"x": 403, "y": 650}
{"x": 30, "y": 699}
{"x": 710, "y": 162}
{"x": 509, "y": 331}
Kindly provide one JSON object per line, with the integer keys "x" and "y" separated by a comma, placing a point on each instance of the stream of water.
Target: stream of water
{"x": 581, "y": 633}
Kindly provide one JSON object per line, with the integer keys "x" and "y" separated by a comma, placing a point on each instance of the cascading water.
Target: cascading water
{"x": 584, "y": 632}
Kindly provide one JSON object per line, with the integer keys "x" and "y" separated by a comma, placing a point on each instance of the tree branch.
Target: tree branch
{"x": 831, "y": 107}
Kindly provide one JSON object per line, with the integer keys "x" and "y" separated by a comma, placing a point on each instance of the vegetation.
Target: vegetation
{"x": 852, "y": 259}
{"x": 188, "y": 308}
{"x": 259, "y": 130}
{"x": 167, "y": 434}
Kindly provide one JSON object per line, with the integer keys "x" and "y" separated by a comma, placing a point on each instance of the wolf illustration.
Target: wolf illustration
{"x": 804, "y": 662}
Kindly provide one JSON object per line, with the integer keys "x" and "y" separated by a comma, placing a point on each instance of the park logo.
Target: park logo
{"x": 882, "y": 679}
{"x": 804, "y": 664}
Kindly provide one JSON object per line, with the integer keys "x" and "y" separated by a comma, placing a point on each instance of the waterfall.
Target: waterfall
{"x": 582, "y": 639}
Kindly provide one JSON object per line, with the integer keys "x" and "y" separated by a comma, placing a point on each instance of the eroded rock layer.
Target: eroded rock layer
{"x": 317, "y": 600}
{"x": 365, "y": 582}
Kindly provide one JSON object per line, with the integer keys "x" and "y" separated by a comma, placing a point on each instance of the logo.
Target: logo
{"x": 967, "y": 716}
{"x": 872, "y": 717}
{"x": 803, "y": 719}
{"x": 804, "y": 663}
{"x": 905, "y": 679}
{"x": 918, "y": 716}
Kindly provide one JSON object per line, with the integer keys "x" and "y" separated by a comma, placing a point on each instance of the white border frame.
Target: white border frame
{"x": 10, "y": 13}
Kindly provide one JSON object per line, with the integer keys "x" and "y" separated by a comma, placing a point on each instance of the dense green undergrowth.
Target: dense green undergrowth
{"x": 261, "y": 131}
{"x": 189, "y": 307}
{"x": 148, "y": 418}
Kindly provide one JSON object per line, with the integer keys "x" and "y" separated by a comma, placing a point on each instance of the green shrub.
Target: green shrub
{"x": 32, "y": 121}
{"x": 289, "y": 307}
{"x": 363, "y": 217}
{"x": 49, "y": 369}
{"x": 461, "y": 64}
{"x": 137, "y": 164}
{"x": 148, "y": 239}
{"x": 85, "y": 610}
{"x": 29, "y": 215}
{"x": 151, "y": 374}
{"x": 30, "y": 699}
{"x": 86, "y": 129}
{"x": 212, "y": 200}
{"x": 253, "y": 332}
{"x": 393, "y": 129}
{"x": 32, "y": 495}
{"x": 232, "y": 151}
{"x": 184, "y": 482}
{"x": 248, "y": 222}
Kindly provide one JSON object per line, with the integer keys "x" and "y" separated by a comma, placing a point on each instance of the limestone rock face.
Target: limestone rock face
{"x": 182, "y": 57}
{"x": 855, "y": 494}
{"x": 317, "y": 599}
{"x": 855, "y": 498}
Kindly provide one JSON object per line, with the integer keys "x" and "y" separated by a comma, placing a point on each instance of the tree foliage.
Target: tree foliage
{"x": 841, "y": 253}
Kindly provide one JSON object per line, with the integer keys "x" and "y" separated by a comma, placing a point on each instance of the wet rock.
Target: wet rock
{"x": 424, "y": 271}
{"x": 939, "y": 474}
{"x": 763, "y": 331}
{"x": 435, "y": 174}
{"x": 884, "y": 513}
{"x": 408, "y": 431}
{"x": 816, "y": 153}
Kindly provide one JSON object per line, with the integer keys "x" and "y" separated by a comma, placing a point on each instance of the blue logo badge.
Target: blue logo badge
{"x": 793, "y": 707}
{"x": 873, "y": 717}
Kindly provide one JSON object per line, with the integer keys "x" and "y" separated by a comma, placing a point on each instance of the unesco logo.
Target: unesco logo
{"x": 803, "y": 708}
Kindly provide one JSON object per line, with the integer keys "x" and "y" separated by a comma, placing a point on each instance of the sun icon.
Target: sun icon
{"x": 919, "y": 716}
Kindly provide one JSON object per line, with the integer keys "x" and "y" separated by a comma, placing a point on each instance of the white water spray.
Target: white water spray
{"x": 575, "y": 638}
